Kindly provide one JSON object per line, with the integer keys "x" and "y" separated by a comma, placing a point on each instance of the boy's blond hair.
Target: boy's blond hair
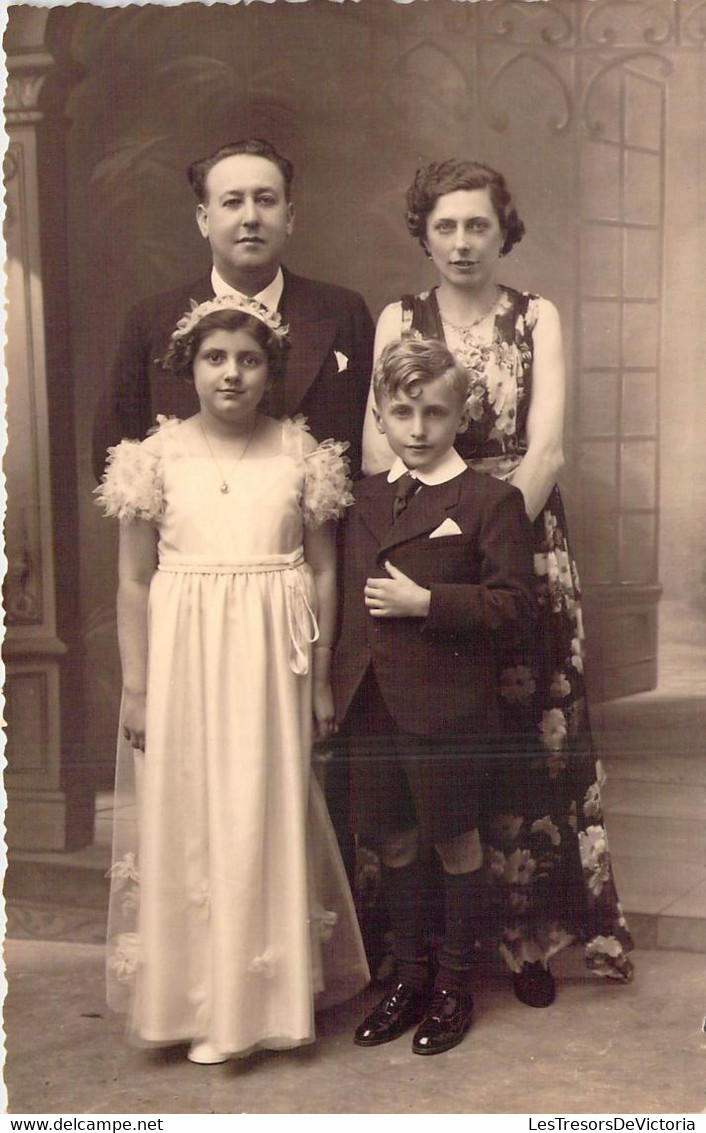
{"x": 405, "y": 366}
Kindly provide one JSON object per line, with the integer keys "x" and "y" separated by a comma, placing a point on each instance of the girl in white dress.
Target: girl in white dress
{"x": 230, "y": 914}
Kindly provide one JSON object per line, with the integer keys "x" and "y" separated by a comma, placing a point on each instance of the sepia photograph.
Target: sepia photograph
{"x": 355, "y": 559}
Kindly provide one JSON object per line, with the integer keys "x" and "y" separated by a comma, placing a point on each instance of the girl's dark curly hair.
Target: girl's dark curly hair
{"x": 440, "y": 177}
{"x": 179, "y": 356}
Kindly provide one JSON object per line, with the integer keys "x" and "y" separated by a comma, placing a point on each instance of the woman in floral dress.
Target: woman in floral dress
{"x": 546, "y": 852}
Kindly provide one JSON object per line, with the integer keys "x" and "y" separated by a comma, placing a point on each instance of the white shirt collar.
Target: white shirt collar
{"x": 269, "y": 295}
{"x": 450, "y": 466}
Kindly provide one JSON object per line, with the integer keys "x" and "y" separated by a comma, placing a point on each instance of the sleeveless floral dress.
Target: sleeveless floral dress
{"x": 545, "y": 846}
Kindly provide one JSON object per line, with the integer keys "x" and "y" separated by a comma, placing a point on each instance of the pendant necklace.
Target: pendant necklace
{"x": 225, "y": 487}
{"x": 465, "y": 327}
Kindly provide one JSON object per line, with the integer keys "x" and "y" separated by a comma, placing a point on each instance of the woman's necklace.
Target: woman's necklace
{"x": 225, "y": 487}
{"x": 465, "y": 327}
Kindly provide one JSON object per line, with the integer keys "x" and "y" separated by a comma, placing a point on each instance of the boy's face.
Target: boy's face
{"x": 422, "y": 429}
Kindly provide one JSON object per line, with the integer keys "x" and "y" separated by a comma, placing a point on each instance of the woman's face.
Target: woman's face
{"x": 464, "y": 238}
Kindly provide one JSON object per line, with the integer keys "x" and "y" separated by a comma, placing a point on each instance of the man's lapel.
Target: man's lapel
{"x": 311, "y": 340}
{"x": 203, "y": 289}
{"x": 199, "y": 291}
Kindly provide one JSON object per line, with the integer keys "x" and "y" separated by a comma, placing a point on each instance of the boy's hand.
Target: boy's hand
{"x": 396, "y": 597}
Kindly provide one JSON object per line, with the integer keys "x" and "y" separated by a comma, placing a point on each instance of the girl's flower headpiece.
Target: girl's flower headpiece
{"x": 231, "y": 302}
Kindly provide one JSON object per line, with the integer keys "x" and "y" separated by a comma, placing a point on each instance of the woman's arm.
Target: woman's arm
{"x": 320, "y": 554}
{"x": 536, "y": 475}
{"x": 377, "y": 454}
{"x": 137, "y": 562}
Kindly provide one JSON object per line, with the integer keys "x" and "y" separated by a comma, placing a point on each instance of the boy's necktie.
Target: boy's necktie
{"x": 406, "y": 487}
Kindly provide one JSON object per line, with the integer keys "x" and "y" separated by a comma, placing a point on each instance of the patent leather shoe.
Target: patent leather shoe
{"x": 534, "y": 985}
{"x": 396, "y": 1013}
{"x": 445, "y": 1022}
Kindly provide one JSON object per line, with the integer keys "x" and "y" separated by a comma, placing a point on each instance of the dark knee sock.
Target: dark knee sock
{"x": 464, "y": 897}
{"x": 406, "y": 894}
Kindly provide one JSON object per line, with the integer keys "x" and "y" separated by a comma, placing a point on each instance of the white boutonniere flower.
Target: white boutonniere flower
{"x": 341, "y": 361}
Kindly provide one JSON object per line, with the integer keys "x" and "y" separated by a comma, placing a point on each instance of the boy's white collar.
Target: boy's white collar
{"x": 450, "y": 466}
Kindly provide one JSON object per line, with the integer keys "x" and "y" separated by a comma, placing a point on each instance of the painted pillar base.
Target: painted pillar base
{"x": 621, "y": 630}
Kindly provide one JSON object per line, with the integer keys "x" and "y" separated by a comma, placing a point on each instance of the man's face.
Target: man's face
{"x": 246, "y": 219}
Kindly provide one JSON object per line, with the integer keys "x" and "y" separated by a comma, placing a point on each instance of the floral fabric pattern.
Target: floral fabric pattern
{"x": 547, "y": 858}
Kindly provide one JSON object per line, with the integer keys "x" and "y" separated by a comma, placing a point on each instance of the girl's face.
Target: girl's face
{"x": 464, "y": 238}
{"x": 231, "y": 375}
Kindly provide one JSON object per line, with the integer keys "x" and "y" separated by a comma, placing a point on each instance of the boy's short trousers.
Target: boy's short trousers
{"x": 399, "y": 780}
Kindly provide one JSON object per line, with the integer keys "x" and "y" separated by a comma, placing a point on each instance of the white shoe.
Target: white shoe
{"x": 205, "y": 1053}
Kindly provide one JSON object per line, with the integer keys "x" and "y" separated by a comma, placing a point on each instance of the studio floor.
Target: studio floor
{"x": 600, "y": 1049}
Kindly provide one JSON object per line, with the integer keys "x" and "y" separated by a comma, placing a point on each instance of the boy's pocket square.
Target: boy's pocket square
{"x": 341, "y": 361}
{"x": 448, "y": 527}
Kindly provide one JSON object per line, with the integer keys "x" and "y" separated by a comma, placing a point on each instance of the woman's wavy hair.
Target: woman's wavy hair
{"x": 178, "y": 359}
{"x": 440, "y": 177}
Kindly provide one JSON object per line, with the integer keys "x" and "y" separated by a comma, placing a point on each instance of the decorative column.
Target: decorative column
{"x": 50, "y": 801}
{"x": 599, "y": 74}
{"x": 623, "y": 82}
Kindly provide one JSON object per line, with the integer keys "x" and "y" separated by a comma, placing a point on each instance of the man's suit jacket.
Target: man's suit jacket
{"x": 437, "y": 676}
{"x": 330, "y": 391}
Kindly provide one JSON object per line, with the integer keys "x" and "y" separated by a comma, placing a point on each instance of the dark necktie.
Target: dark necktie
{"x": 406, "y": 487}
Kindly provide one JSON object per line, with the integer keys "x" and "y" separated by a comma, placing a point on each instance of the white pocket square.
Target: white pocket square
{"x": 341, "y": 361}
{"x": 448, "y": 527}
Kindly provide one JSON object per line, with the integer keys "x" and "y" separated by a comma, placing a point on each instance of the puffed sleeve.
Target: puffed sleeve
{"x": 327, "y": 486}
{"x": 131, "y": 487}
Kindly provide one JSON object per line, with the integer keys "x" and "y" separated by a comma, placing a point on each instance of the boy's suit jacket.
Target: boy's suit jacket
{"x": 327, "y": 377}
{"x": 437, "y": 675}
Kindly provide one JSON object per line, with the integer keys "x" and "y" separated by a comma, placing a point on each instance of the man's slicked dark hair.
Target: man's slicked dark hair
{"x": 199, "y": 170}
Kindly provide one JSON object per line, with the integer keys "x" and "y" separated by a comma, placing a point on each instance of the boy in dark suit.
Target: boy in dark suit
{"x": 438, "y": 567}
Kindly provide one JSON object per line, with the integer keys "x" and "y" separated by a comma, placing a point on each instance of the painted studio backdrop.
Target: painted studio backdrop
{"x": 593, "y": 109}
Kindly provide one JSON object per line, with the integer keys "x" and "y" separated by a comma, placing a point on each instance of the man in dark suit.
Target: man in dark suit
{"x": 246, "y": 213}
{"x": 438, "y": 569}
